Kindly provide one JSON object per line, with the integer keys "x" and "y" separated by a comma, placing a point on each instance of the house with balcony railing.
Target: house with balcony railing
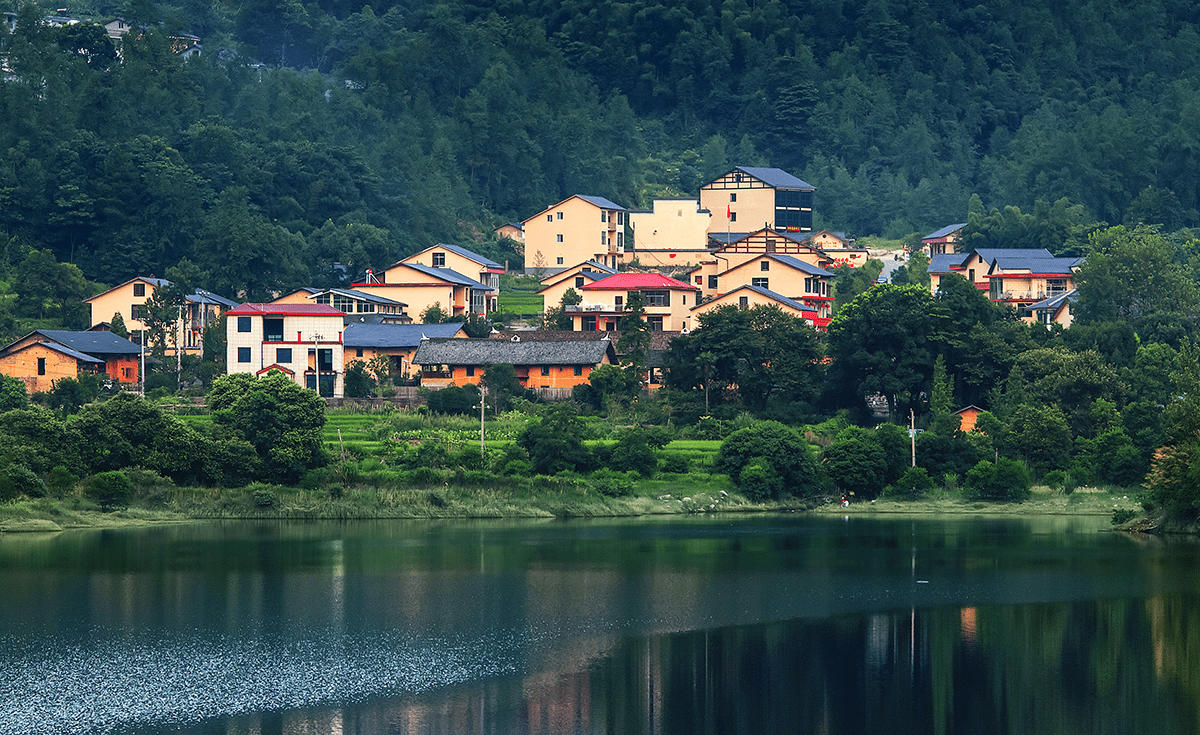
{"x": 303, "y": 341}
{"x": 666, "y": 302}
{"x": 1023, "y": 281}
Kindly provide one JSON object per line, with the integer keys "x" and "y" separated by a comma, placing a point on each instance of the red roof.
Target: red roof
{"x": 285, "y": 310}
{"x": 637, "y": 282}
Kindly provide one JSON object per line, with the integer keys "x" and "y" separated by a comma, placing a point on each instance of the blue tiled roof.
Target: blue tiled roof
{"x": 989, "y": 255}
{"x": 945, "y": 262}
{"x": 452, "y": 276}
{"x": 776, "y": 296}
{"x": 396, "y": 335}
{"x": 1055, "y": 301}
{"x": 944, "y": 231}
{"x": 70, "y": 352}
{"x": 1037, "y": 265}
{"x": 800, "y": 265}
{"x": 207, "y": 297}
{"x": 601, "y": 202}
{"x": 468, "y": 254}
{"x": 361, "y": 295}
{"x": 776, "y": 177}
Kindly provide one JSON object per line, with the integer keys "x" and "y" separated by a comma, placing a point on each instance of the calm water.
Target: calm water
{"x": 785, "y": 624}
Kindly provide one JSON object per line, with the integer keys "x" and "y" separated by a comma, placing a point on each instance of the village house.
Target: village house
{"x": 397, "y": 342}
{"x": 201, "y": 309}
{"x": 749, "y": 198}
{"x": 46, "y": 355}
{"x": 666, "y": 301}
{"x": 943, "y": 241}
{"x": 728, "y": 253}
{"x": 303, "y": 341}
{"x": 673, "y": 233}
{"x": 357, "y": 306}
{"x": 576, "y": 229}
{"x": 463, "y": 261}
{"x": 1054, "y": 309}
{"x": 1022, "y": 281}
{"x": 512, "y": 231}
{"x": 748, "y": 297}
{"x": 560, "y": 364}
{"x": 795, "y": 279}
{"x": 422, "y": 286}
{"x": 575, "y": 277}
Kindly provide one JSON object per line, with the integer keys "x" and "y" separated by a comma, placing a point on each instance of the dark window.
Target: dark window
{"x": 283, "y": 355}
{"x": 806, "y": 200}
{"x": 41, "y": 366}
{"x": 578, "y": 370}
{"x": 699, "y": 280}
{"x": 760, "y": 282}
{"x": 325, "y": 360}
{"x": 243, "y": 354}
{"x": 560, "y": 262}
{"x": 439, "y": 260}
{"x": 588, "y": 324}
{"x": 971, "y": 275}
{"x": 545, "y": 370}
{"x": 743, "y": 302}
{"x": 470, "y": 371}
{"x": 358, "y": 352}
{"x": 712, "y": 281}
{"x": 243, "y": 324}
{"x": 765, "y": 265}
{"x": 732, "y": 197}
{"x": 579, "y": 281}
{"x": 655, "y": 323}
{"x": 656, "y": 298}
{"x": 139, "y": 290}
{"x": 272, "y": 330}
{"x": 733, "y": 216}
{"x": 137, "y": 311}
{"x": 787, "y": 198}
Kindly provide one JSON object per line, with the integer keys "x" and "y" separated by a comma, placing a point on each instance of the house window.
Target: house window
{"x": 560, "y": 214}
{"x": 684, "y": 297}
{"x": 760, "y": 282}
{"x": 743, "y": 302}
{"x": 620, "y": 218}
{"x": 603, "y": 215}
{"x": 358, "y": 352}
{"x": 439, "y": 260}
{"x": 579, "y": 282}
{"x": 558, "y": 238}
{"x": 243, "y": 354}
{"x": 656, "y": 298}
{"x": 655, "y": 323}
{"x": 765, "y": 265}
{"x": 620, "y": 239}
{"x": 243, "y": 324}
{"x": 971, "y": 275}
{"x": 732, "y": 197}
{"x": 139, "y": 290}
{"x": 603, "y": 238}
{"x": 283, "y": 355}
{"x": 470, "y": 371}
{"x": 41, "y": 366}
{"x": 560, "y": 261}
{"x": 137, "y": 311}
{"x": 578, "y": 370}
{"x": 545, "y": 370}
{"x": 712, "y": 281}
{"x": 587, "y": 324}
{"x": 343, "y": 303}
{"x": 699, "y": 280}
{"x": 323, "y": 299}
{"x": 733, "y": 216}
{"x": 1056, "y": 285}
{"x": 618, "y": 302}
{"x": 272, "y": 330}
{"x": 549, "y": 218}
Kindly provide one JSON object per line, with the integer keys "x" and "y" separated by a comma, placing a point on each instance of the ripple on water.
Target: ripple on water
{"x": 115, "y": 681}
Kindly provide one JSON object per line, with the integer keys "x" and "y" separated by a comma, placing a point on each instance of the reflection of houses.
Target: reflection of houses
{"x": 576, "y": 229}
{"x": 397, "y": 342}
{"x": 943, "y": 241}
{"x": 46, "y": 355}
{"x": 752, "y": 198}
{"x": 201, "y": 308}
{"x": 747, "y": 297}
{"x": 304, "y": 341}
{"x": 538, "y": 364}
{"x": 1022, "y": 281}
{"x": 666, "y": 302}
{"x": 575, "y": 277}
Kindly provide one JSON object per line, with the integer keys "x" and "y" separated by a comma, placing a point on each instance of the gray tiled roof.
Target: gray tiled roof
{"x": 497, "y": 352}
{"x": 92, "y": 343}
{"x": 447, "y": 274}
{"x": 601, "y": 202}
{"x": 777, "y": 296}
{"x": 468, "y": 254}
{"x": 395, "y": 335}
{"x": 800, "y": 265}
{"x": 945, "y": 262}
{"x": 361, "y": 296}
{"x": 1055, "y": 301}
{"x": 1037, "y": 265}
{"x": 70, "y": 352}
{"x": 989, "y": 255}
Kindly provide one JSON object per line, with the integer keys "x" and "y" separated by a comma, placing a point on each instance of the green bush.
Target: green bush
{"x": 1122, "y": 515}
{"x": 759, "y": 480}
{"x": 1006, "y": 481}
{"x": 263, "y": 498}
{"x": 17, "y": 480}
{"x": 914, "y": 483}
{"x": 109, "y": 489}
{"x": 789, "y": 458}
{"x": 676, "y": 464}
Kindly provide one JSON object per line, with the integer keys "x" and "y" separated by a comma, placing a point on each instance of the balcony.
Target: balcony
{"x": 1030, "y": 296}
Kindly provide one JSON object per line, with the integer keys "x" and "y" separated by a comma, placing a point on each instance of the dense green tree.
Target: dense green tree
{"x": 767, "y": 461}
{"x": 553, "y": 442}
{"x": 279, "y": 418}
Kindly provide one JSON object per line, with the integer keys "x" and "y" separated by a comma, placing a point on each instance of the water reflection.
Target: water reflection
{"x": 760, "y": 625}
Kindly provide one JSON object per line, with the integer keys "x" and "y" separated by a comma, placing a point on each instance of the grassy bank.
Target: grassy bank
{"x": 1043, "y": 501}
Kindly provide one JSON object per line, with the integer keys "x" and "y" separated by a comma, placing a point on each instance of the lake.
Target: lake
{"x": 693, "y": 624}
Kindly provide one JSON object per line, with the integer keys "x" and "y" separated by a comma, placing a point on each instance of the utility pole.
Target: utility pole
{"x": 482, "y": 403}
{"x": 912, "y": 435}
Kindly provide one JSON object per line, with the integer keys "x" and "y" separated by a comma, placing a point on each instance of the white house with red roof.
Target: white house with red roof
{"x": 303, "y": 341}
{"x": 667, "y": 302}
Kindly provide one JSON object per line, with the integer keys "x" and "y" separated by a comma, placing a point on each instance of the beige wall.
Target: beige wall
{"x": 675, "y": 317}
{"x": 1028, "y": 288}
{"x": 585, "y": 236}
{"x": 673, "y": 226}
{"x": 553, "y": 287}
{"x": 785, "y": 281}
{"x": 752, "y": 208}
{"x": 752, "y": 298}
{"x": 300, "y": 333}
{"x": 120, "y": 300}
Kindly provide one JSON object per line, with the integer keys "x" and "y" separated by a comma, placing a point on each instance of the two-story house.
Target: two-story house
{"x": 943, "y": 241}
{"x": 729, "y": 253}
{"x": 356, "y": 305}
{"x": 304, "y": 341}
{"x": 750, "y": 198}
{"x": 461, "y": 260}
{"x": 576, "y": 229}
{"x": 673, "y": 233}
{"x": 575, "y": 277}
{"x": 46, "y": 355}
{"x": 666, "y": 301}
{"x": 793, "y": 278}
{"x": 422, "y": 286}
{"x": 747, "y": 297}
{"x": 1022, "y": 281}
{"x": 201, "y": 308}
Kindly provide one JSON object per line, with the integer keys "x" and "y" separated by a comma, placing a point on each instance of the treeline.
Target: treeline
{"x": 322, "y": 132}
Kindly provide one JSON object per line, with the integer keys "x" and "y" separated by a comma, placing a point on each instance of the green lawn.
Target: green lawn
{"x": 523, "y": 304}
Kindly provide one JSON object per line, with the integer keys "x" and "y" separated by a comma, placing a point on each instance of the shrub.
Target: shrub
{"x": 789, "y": 457}
{"x": 263, "y": 497}
{"x": 914, "y": 483}
{"x": 676, "y": 464}
{"x": 17, "y": 479}
{"x": 60, "y": 481}
{"x": 109, "y": 489}
{"x": 1006, "y": 480}
{"x": 759, "y": 480}
{"x": 1122, "y": 515}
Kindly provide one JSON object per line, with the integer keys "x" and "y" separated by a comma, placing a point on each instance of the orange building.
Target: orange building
{"x": 538, "y": 364}
{"x": 576, "y": 229}
{"x": 46, "y": 355}
{"x": 968, "y": 416}
{"x": 397, "y": 342}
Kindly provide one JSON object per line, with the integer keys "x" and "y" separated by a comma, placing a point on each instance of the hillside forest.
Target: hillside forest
{"x": 309, "y": 133}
